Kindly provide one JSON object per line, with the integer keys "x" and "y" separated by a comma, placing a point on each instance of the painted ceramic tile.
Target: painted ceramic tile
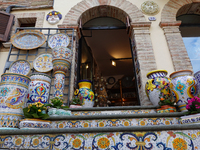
{"x": 163, "y": 140}
{"x": 114, "y": 122}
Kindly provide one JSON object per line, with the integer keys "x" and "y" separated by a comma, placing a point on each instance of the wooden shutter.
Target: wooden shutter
{"x": 6, "y": 22}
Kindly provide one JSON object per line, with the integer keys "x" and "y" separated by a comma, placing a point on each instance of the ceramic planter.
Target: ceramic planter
{"x": 39, "y": 88}
{"x": 13, "y": 94}
{"x": 157, "y": 86}
{"x": 62, "y": 53}
{"x": 34, "y": 124}
{"x": 58, "y": 112}
{"x": 85, "y": 93}
{"x": 197, "y": 78}
{"x": 189, "y": 119}
{"x": 166, "y": 109}
{"x": 183, "y": 87}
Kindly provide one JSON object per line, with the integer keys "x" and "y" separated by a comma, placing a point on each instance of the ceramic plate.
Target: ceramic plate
{"x": 20, "y": 67}
{"x": 62, "y": 52}
{"x": 28, "y": 39}
{"x": 58, "y": 40}
{"x": 43, "y": 62}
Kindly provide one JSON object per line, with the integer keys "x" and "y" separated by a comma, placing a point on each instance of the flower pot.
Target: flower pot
{"x": 34, "y": 124}
{"x": 157, "y": 86}
{"x": 166, "y": 109}
{"x": 13, "y": 94}
{"x": 183, "y": 87}
{"x": 190, "y": 119}
{"x": 86, "y": 93}
{"x": 39, "y": 88}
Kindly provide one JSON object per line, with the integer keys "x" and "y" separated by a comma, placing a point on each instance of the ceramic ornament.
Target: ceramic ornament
{"x": 53, "y": 17}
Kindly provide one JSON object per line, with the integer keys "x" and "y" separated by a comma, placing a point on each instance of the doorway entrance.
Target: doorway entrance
{"x": 106, "y": 58}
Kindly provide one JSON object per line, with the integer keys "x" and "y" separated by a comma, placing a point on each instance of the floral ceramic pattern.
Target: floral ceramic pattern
{"x": 183, "y": 88}
{"x": 20, "y": 67}
{"x": 58, "y": 40}
{"x": 165, "y": 140}
{"x": 34, "y": 123}
{"x": 43, "y": 62}
{"x": 9, "y": 120}
{"x": 39, "y": 88}
{"x": 28, "y": 39}
{"x": 114, "y": 123}
{"x": 59, "y": 84}
{"x": 62, "y": 53}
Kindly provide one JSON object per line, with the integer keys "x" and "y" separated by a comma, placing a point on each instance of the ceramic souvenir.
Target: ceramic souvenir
{"x": 158, "y": 86}
{"x": 53, "y": 17}
{"x": 183, "y": 87}
{"x": 43, "y": 62}
{"x": 21, "y": 67}
{"x": 85, "y": 93}
{"x": 39, "y": 88}
{"x": 62, "y": 53}
{"x": 28, "y": 39}
{"x": 13, "y": 94}
{"x": 197, "y": 77}
{"x": 58, "y": 40}
{"x": 34, "y": 124}
{"x": 60, "y": 68}
{"x": 190, "y": 119}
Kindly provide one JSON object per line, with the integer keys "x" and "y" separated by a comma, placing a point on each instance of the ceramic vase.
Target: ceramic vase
{"x": 34, "y": 124}
{"x": 13, "y": 94}
{"x": 197, "y": 78}
{"x": 157, "y": 87}
{"x": 39, "y": 88}
{"x": 85, "y": 93}
{"x": 183, "y": 87}
{"x": 60, "y": 67}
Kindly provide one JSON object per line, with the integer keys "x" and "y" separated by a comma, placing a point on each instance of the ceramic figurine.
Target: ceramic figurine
{"x": 13, "y": 94}
{"x": 39, "y": 88}
{"x": 157, "y": 87}
{"x": 53, "y": 17}
{"x": 85, "y": 93}
{"x": 183, "y": 87}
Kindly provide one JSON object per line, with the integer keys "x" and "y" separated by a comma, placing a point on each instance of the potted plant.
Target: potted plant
{"x": 76, "y": 101}
{"x": 35, "y": 115}
{"x": 57, "y": 107}
{"x": 166, "y": 105}
{"x": 192, "y": 115}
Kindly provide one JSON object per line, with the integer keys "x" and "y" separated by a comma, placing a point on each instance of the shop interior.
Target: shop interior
{"x": 106, "y": 59}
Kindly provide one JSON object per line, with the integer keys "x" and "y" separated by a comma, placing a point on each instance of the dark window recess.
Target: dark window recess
{"x": 6, "y": 22}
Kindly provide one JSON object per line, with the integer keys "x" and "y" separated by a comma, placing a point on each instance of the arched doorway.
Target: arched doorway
{"x": 104, "y": 41}
{"x": 138, "y": 33}
{"x": 189, "y": 15}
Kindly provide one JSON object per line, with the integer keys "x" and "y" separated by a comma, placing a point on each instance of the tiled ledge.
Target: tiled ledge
{"x": 97, "y": 130}
{"x": 117, "y": 116}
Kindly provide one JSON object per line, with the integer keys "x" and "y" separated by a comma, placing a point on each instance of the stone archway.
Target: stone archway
{"x": 138, "y": 33}
{"x": 174, "y": 39}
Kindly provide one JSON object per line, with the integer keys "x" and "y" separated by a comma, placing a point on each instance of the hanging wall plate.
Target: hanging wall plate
{"x": 58, "y": 40}
{"x": 111, "y": 80}
{"x": 28, "y": 39}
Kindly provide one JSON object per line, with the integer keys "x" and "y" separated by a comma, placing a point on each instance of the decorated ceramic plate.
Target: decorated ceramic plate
{"x": 62, "y": 52}
{"x": 58, "y": 40}
{"x": 43, "y": 62}
{"x": 20, "y": 67}
{"x": 28, "y": 39}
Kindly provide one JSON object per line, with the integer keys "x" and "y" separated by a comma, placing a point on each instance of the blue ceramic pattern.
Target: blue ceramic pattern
{"x": 20, "y": 67}
{"x": 28, "y": 39}
{"x": 59, "y": 84}
{"x": 58, "y": 40}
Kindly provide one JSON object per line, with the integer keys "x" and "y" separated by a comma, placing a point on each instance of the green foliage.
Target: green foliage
{"x": 76, "y": 101}
{"x": 36, "y": 110}
{"x": 163, "y": 102}
{"x": 57, "y": 102}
